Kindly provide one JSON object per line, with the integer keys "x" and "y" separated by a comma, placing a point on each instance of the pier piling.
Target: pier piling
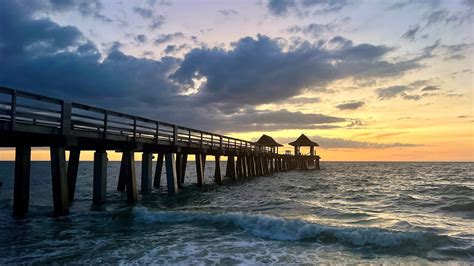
{"x": 158, "y": 170}
{"x": 59, "y": 180}
{"x": 72, "y": 168}
{"x": 171, "y": 180}
{"x": 146, "y": 181}
{"x": 99, "y": 192}
{"x": 21, "y": 193}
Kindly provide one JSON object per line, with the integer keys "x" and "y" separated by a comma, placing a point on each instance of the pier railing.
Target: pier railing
{"x": 29, "y": 112}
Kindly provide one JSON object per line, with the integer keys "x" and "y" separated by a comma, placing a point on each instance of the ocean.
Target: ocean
{"x": 361, "y": 212}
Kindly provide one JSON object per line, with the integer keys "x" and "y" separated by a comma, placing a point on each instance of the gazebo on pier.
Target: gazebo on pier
{"x": 304, "y": 141}
{"x": 268, "y": 141}
{"x": 312, "y": 159}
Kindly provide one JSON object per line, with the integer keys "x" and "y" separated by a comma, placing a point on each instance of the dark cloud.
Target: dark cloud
{"x": 164, "y": 38}
{"x": 280, "y": 7}
{"x": 350, "y": 105}
{"x": 141, "y": 38}
{"x": 339, "y": 143}
{"x": 326, "y": 5}
{"x": 87, "y": 8}
{"x": 258, "y": 71}
{"x": 172, "y": 49}
{"x": 410, "y": 34}
{"x": 313, "y": 29}
{"x": 457, "y": 51}
{"x": 156, "y": 20}
{"x": 392, "y": 92}
{"x": 144, "y": 12}
{"x": 304, "y": 7}
{"x": 431, "y": 88}
{"x": 266, "y": 120}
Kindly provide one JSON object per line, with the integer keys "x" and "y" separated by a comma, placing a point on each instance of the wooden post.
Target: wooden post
{"x": 72, "y": 168}
{"x": 147, "y": 172}
{"x": 21, "y": 193}
{"x": 263, "y": 165}
{"x": 179, "y": 168}
{"x": 121, "y": 181}
{"x": 217, "y": 170}
{"x": 199, "y": 169}
{"x": 60, "y": 188}
{"x": 158, "y": 170}
{"x": 128, "y": 158}
{"x": 171, "y": 180}
{"x": 184, "y": 162}
{"x": 317, "y": 167}
{"x": 252, "y": 165}
{"x": 239, "y": 166}
{"x": 245, "y": 169}
{"x": 230, "y": 168}
{"x": 100, "y": 177}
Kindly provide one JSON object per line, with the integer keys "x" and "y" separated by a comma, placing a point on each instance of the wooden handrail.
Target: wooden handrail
{"x": 108, "y": 122}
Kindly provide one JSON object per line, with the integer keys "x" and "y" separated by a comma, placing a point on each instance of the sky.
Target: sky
{"x": 367, "y": 80}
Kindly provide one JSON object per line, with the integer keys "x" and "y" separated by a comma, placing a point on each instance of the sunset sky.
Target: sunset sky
{"x": 367, "y": 80}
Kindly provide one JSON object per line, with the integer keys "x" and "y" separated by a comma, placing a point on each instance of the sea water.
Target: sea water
{"x": 401, "y": 213}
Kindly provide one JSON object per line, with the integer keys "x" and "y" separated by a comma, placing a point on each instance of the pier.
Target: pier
{"x": 29, "y": 120}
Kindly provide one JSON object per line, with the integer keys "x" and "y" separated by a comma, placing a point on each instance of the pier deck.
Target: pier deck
{"x": 29, "y": 120}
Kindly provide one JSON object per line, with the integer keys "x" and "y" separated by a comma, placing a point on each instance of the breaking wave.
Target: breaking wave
{"x": 271, "y": 227}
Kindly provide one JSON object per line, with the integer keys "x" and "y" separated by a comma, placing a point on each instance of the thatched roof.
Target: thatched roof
{"x": 303, "y": 141}
{"x": 268, "y": 141}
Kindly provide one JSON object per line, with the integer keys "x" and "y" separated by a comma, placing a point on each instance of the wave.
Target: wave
{"x": 275, "y": 228}
{"x": 460, "y": 207}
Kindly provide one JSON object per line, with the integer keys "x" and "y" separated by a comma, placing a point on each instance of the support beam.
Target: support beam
{"x": 100, "y": 177}
{"x": 199, "y": 169}
{"x": 21, "y": 193}
{"x": 158, "y": 170}
{"x": 245, "y": 169}
{"x": 60, "y": 188}
{"x": 230, "y": 168}
{"x": 147, "y": 172}
{"x": 171, "y": 180}
{"x": 179, "y": 168}
{"x": 121, "y": 181}
{"x": 239, "y": 166}
{"x": 184, "y": 162}
{"x": 72, "y": 168}
{"x": 128, "y": 158}
{"x": 217, "y": 170}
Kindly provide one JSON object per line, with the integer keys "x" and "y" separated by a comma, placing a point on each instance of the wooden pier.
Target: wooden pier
{"x": 29, "y": 120}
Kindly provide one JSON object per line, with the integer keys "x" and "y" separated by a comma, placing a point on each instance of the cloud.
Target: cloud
{"x": 350, "y": 105}
{"x": 340, "y": 143}
{"x": 228, "y": 12}
{"x": 280, "y": 7}
{"x": 240, "y": 76}
{"x": 141, "y": 38}
{"x": 156, "y": 20}
{"x": 313, "y": 29}
{"x": 304, "y": 7}
{"x": 394, "y": 91}
{"x": 144, "y": 12}
{"x": 87, "y": 8}
{"x": 410, "y": 34}
{"x": 431, "y": 88}
{"x": 173, "y": 49}
{"x": 164, "y": 38}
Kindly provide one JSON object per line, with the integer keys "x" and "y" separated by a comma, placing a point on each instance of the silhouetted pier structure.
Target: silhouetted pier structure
{"x": 29, "y": 120}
